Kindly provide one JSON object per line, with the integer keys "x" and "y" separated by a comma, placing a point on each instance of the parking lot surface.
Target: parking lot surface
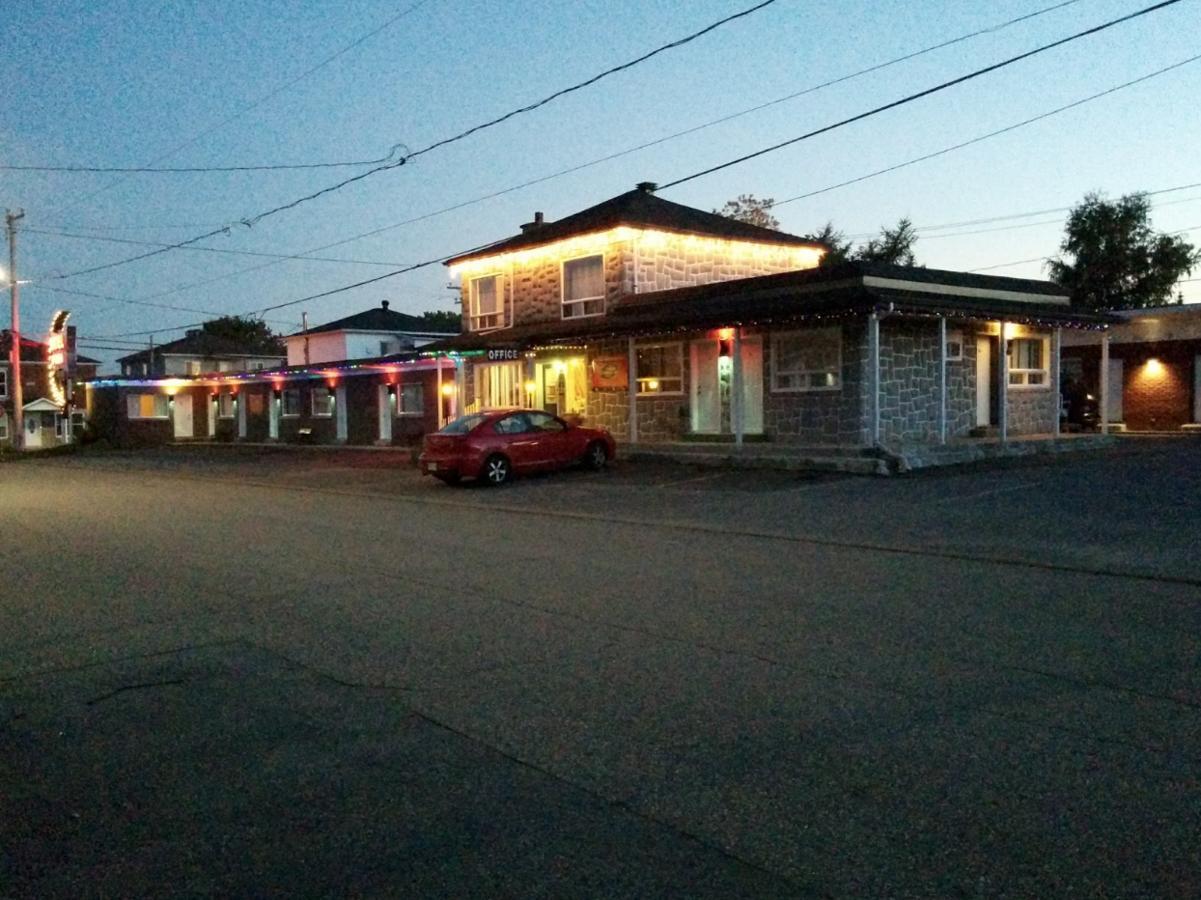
{"x": 306, "y": 672}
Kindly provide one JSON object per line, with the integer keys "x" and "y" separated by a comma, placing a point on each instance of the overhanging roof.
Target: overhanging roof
{"x": 847, "y": 290}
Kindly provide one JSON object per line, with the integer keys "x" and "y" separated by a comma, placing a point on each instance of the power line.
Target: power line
{"x": 1017, "y": 262}
{"x": 920, "y": 94}
{"x": 191, "y": 170}
{"x": 262, "y": 99}
{"x": 991, "y": 134}
{"x": 576, "y": 168}
{"x": 111, "y": 240}
{"x": 253, "y": 220}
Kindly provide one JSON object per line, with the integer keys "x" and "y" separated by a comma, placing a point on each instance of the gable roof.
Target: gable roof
{"x": 378, "y": 318}
{"x": 639, "y": 208}
{"x": 201, "y": 344}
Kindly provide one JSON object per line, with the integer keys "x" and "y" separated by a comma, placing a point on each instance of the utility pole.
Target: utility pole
{"x": 18, "y": 436}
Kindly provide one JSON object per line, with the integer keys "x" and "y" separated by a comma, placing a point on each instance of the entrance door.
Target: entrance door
{"x": 706, "y": 387}
{"x": 752, "y": 385}
{"x": 183, "y": 415}
{"x": 983, "y": 381}
{"x": 1114, "y": 397}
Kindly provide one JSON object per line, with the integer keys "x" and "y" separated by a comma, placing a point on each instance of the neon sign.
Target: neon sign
{"x": 56, "y": 357}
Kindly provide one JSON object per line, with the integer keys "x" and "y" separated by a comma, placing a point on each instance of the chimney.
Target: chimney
{"x": 527, "y": 227}
{"x": 384, "y": 304}
{"x": 647, "y": 187}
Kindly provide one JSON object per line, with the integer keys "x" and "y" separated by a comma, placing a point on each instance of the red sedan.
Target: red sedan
{"x": 498, "y": 444}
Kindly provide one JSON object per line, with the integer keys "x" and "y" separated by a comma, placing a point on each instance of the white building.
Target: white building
{"x": 374, "y": 332}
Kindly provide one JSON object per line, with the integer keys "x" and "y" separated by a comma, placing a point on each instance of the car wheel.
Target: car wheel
{"x": 497, "y": 470}
{"x": 596, "y": 457}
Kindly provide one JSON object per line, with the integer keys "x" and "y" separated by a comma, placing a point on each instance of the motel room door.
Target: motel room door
{"x": 712, "y": 377}
{"x": 984, "y": 381}
{"x": 1114, "y": 395}
{"x": 183, "y": 415}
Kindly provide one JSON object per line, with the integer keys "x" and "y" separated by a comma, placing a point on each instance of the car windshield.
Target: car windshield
{"x": 463, "y": 424}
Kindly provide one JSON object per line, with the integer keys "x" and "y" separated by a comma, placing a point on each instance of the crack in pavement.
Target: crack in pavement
{"x": 146, "y": 685}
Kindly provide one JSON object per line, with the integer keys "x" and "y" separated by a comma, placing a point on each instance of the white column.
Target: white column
{"x": 384, "y": 398}
{"x": 873, "y": 349}
{"x": 1002, "y": 383}
{"x": 1056, "y": 343}
{"x": 632, "y": 364}
{"x": 737, "y": 415}
{"x": 942, "y": 379}
{"x": 240, "y": 399}
{"x": 340, "y": 413}
{"x": 460, "y": 388}
{"x": 438, "y": 390}
{"x": 1104, "y": 393}
{"x": 273, "y": 411}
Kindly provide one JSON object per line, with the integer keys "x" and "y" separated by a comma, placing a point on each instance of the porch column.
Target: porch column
{"x": 1002, "y": 383}
{"x": 438, "y": 390}
{"x": 384, "y": 401}
{"x": 632, "y": 365}
{"x": 736, "y": 412}
{"x": 341, "y": 413}
{"x": 942, "y": 379}
{"x": 460, "y": 388}
{"x": 240, "y": 400}
{"x": 1056, "y": 342}
{"x": 873, "y": 350}
{"x": 1104, "y": 392}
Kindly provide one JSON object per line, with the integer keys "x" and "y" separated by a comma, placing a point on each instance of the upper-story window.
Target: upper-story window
{"x": 584, "y": 287}
{"x": 486, "y": 299}
{"x": 192, "y": 367}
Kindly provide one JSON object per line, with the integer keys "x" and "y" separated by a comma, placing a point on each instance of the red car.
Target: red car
{"x": 498, "y": 444}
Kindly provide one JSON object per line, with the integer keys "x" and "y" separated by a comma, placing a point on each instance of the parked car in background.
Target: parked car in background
{"x": 1078, "y": 409}
{"x": 498, "y": 444}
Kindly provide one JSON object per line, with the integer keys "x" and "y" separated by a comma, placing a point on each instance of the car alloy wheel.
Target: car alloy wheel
{"x": 496, "y": 470}
{"x": 597, "y": 456}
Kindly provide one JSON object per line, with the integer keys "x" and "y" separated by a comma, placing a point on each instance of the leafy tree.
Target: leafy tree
{"x": 840, "y": 246}
{"x": 440, "y": 320}
{"x": 748, "y": 208}
{"x": 252, "y": 334}
{"x": 893, "y": 245}
{"x": 1113, "y": 259}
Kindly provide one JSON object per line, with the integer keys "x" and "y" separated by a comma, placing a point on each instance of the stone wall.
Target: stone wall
{"x": 676, "y": 264}
{"x": 821, "y": 417}
{"x": 660, "y": 418}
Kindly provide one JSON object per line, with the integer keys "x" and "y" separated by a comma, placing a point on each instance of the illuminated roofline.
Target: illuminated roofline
{"x": 649, "y": 237}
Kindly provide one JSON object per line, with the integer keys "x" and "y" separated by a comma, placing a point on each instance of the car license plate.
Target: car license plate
{"x": 431, "y": 467}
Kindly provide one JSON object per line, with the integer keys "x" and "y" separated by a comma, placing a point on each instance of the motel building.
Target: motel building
{"x": 671, "y": 325}
{"x": 1153, "y": 358}
{"x": 52, "y": 401}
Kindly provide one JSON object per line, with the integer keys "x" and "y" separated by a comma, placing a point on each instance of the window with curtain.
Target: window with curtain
{"x": 291, "y": 401}
{"x": 584, "y": 287}
{"x": 148, "y": 406}
{"x": 225, "y": 405}
{"x": 410, "y": 399}
{"x": 323, "y": 401}
{"x": 660, "y": 369}
{"x": 807, "y": 360}
{"x": 1028, "y": 362}
{"x": 486, "y": 297}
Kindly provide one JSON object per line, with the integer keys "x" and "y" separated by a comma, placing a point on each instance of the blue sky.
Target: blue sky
{"x": 123, "y": 83}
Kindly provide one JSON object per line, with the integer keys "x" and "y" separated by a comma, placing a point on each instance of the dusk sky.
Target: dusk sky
{"x": 126, "y": 83}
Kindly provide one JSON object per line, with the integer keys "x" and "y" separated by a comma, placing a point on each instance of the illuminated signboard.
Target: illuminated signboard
{"x": 56, "y": 358}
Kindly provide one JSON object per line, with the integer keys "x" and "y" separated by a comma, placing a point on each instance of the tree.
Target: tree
{"x": 747, "y": 208}
{"x": 251, "y": 334}
{"x": 839, "y": 246}
{"x": 440, "y": 320}
{"x": 1115, "y": 260}
{"x": 893, "y": 246}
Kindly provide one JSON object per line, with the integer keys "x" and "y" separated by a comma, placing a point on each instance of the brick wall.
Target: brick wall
{"x": 1154, "y": 397}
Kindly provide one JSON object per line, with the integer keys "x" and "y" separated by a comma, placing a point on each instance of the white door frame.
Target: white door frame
{"x": 752, "y": 386}
{"x": 983, "y": 381}
{"x": 695, "y": 382}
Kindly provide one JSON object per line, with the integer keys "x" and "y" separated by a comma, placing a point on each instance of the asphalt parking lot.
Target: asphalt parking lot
{"x": 234, "y": 671}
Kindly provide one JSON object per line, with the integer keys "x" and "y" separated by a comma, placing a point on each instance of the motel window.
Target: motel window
{"x": 410, "y": 399}
{"x": 498, "y": 385}
{"x": 291, "y": 401}
{"x": 486, "y": 296}
{"x": 583, "y": 287}
{"x": 660, "y": 369}
{"x": 148, "y": 406}
{"x": 3, "y": 427}
{"x": 192, "y": 367}
{"x": 60, "y": 428}
{"x": 225, "y": 405}
{"x": 954, "y": 346}
{"x": 77, "y": 421}
{"x": 807, "y": 360}
{"x": 225, "y": 366}
{"x": 1028, "y": 362}
{"x": 323, "y": 401}
{"x": 3, "y": 384}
